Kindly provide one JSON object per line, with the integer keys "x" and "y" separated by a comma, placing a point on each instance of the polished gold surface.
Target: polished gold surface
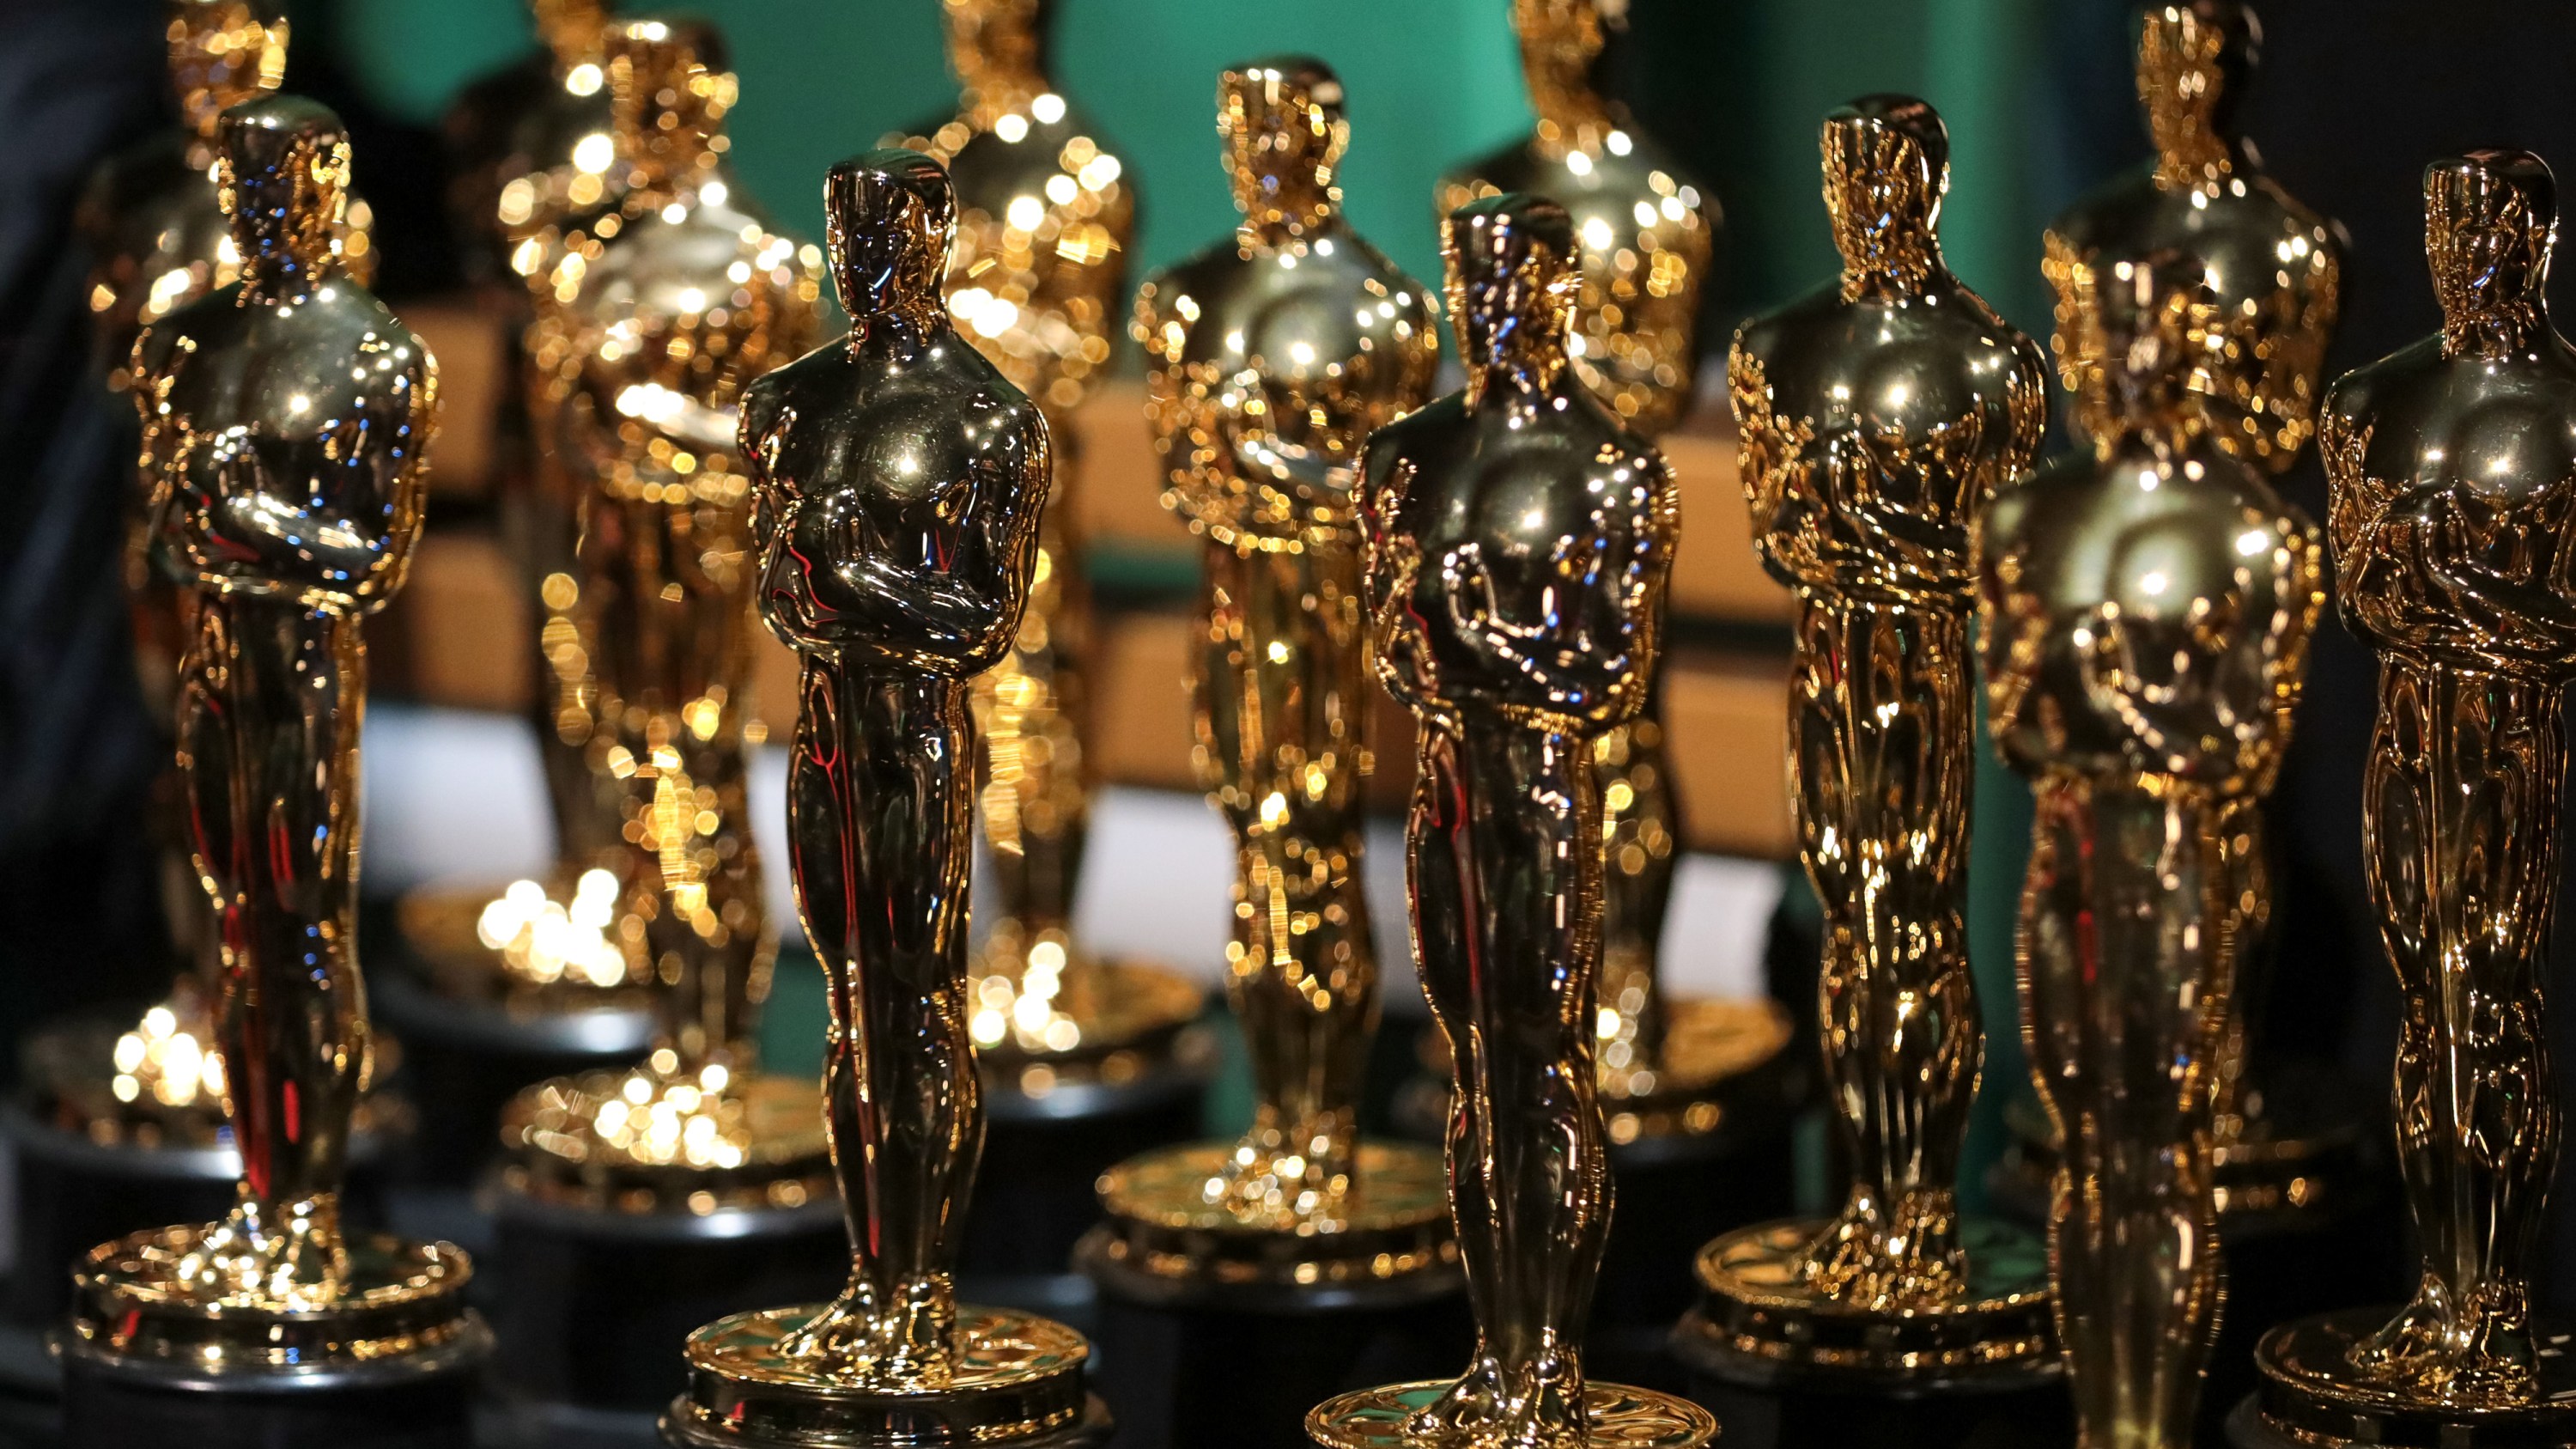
{"x": 642, "y": 347}
{"x": 1015, "y": 1377}
{"x": 151, "y": 216}
{"x": 142, "y": 1302}
{"x": 899, "y": 478}
{"x": 1517, "y": 540}
{"x": 1760, "y": 1305}
{"x": 1270, "y": 357}
{"x": 285, "y": 419}
{"x": 2452, "y": 465}
{"x": 1046, "y": 216}
{"x": 1878, "y": 414}
{"x": 1643, "y": 227}
{"x": 1645, "y": 231}
{"x": 2274, "y": 266}
{"x": 2144, "y": 615}
{"x": 1613, "y": 1415}
{"x": 1179, "y": 1214}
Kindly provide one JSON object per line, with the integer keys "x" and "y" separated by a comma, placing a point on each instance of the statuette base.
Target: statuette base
{"x": 1758, "y": 1325}
{"x": 1394, "y": 1225}
{"x": 1018, "y": 1380}
{"x": 1104, "y": 1021}
{"x": 2315, "y": 1397}
{"x": 400, "y": 1314}
{"x": 1619, "y": 1417}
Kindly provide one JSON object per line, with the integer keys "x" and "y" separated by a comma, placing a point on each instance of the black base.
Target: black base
{"x": 1036, "y": 1188}
{"x": 104, "y": 1408}
{"x": 528, "y": 1424}
{"x": 464, "y": 1061}
{"x": 1673, "y": 1194}
{"x": 1188, "y": 1367}
{"x": 599, "y": 1304}
{"x": 2033, "y": 1418}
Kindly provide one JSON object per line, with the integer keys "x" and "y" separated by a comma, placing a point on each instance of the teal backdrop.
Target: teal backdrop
{"x": 2035, "y": 93}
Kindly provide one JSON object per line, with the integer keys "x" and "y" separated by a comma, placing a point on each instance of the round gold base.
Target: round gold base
{"x": 1707, "y": 1072}
{"x": 1759, "y": 1324}
{"x": 2313, "y": 1394}
{"x": 644, "y": 1141}
{"x": 1615, "y": 1414}
{"x": 1163, "y": 1224}
{"x": 1017, "y": 1380}
{"x": 400, "y": 1312}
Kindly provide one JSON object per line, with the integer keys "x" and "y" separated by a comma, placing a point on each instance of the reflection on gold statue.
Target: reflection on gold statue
{"x": 1517, "y": 542}
{"x": 1271, "y": 356}
{"x": 651, "y": 332}
{"x": 533, "y": 152}
{"x": 2145, "y": 608}
{"x": 156, "y": 227}
{"x": 2453, "y": 468}
{"x": 1878, "y": 414}
{"x": 1645, "y": 232}
{"x": 2274, "y": 268}
{"x": 285, "y": 418}
{"x": 1046, "y": 215}
{"x": 899, "y": 478}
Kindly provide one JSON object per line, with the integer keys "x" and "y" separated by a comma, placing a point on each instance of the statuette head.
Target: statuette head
{"x": 2490, "y": 219}
{"x": 2194, "y": 58}
{"x": 1887, "y": 166}
{"x": 1511, "y": 265}
{"x": 889, "y": 218}
{"x": 670, "y": 85}
{"x": 282, "y": 174}
{"x": 1282, "y": 124}
{"x": 575, "y": 30}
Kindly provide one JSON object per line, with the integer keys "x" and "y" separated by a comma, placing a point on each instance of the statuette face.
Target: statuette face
{"x": 2274, "y": 266}
{"x": 1644, "y": 230}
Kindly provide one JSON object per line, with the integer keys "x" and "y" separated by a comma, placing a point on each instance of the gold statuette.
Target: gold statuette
{"x": 534, "y": 149}
{"x": 1517, "y": 542}
{"x": 679, "y": 305}
{"x": 1271, "y": 356}
{"x": 1878, "y": 414}
{"x": 1046, "y": 216}
{"x": 285, "y": 417}
{"x": 2274, "y": 268}
{"x": 2452, "y": 466}
{"x": 2144, "y": 614}
{"x": 1644, "y": 234}
{"x": 899, "y": 478}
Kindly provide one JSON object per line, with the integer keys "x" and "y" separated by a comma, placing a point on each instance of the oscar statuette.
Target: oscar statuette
{"x": 490, "y": 983}
{"x": 1085, "y": 1060}
{"x": 898, "y": 478}
{"x": 1270, "y": 356}
{"x": 2298, "y": 1160}
{"x": 2144, "y": 612}
{"x": 118, "y": 1123}
{"x": 634, "y": 1204}
{"x": 1696, "y": 1089}
{"x": 1516, "y": 541}
{"x": 285, "y": 421}
{"x": 2451, "y": 466}
{"x": 1878, "y": 413}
